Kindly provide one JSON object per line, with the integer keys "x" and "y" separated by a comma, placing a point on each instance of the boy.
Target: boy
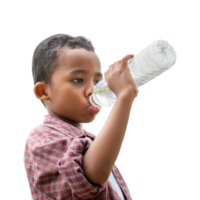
{"x": 62, "y": 160}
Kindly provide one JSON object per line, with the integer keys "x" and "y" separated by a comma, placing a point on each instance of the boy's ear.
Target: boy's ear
{"x": 38, "y": 91}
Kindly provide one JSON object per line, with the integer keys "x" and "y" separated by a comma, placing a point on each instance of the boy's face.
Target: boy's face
{"x": 69, "y": 97}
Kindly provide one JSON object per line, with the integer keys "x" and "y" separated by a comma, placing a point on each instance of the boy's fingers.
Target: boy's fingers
{"x": 127, "y": 56}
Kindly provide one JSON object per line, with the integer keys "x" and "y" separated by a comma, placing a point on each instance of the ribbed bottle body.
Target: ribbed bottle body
{"x": 152, "y": 61}
{"x": 102, "y": 95}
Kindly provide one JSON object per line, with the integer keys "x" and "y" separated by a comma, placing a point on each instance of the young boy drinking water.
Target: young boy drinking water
{"x": 62, "y": 160}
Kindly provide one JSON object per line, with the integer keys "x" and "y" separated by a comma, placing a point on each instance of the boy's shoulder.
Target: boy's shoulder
{"x": 36, "y": 128}
{"x": 36, "y": 132}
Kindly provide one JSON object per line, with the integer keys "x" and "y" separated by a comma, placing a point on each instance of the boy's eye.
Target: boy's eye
{"x": 82, "y": 79}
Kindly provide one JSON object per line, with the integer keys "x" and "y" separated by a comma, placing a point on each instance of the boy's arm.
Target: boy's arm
{"x": 99, "y": 159}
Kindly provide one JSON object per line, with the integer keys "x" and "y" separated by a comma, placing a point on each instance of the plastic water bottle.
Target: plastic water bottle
{"x": 152, "y": 61}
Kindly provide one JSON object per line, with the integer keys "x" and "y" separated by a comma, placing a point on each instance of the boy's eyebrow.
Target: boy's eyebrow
{"x": 78, "y": 71}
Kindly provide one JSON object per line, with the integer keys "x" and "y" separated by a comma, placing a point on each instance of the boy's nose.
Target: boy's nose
{"x": 89, "y": 89}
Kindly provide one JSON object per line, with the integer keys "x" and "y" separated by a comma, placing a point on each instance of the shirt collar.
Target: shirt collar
{"x": 64, "y": 127}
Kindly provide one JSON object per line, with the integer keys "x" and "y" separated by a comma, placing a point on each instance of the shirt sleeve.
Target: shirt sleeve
{"x": 71, "y": 167}
{"x": 58, "y": 169}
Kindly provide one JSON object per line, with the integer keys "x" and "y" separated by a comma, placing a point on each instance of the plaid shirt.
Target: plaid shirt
{"x": 53, "y": 161}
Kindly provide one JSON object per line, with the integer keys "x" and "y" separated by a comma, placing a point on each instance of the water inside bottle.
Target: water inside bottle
{"x": 104, "y": 96}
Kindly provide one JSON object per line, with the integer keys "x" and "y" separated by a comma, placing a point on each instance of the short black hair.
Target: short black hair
{"x": 46, "y": 54}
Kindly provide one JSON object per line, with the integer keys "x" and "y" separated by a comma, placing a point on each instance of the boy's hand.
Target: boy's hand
{"x": 119, "y": 79}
